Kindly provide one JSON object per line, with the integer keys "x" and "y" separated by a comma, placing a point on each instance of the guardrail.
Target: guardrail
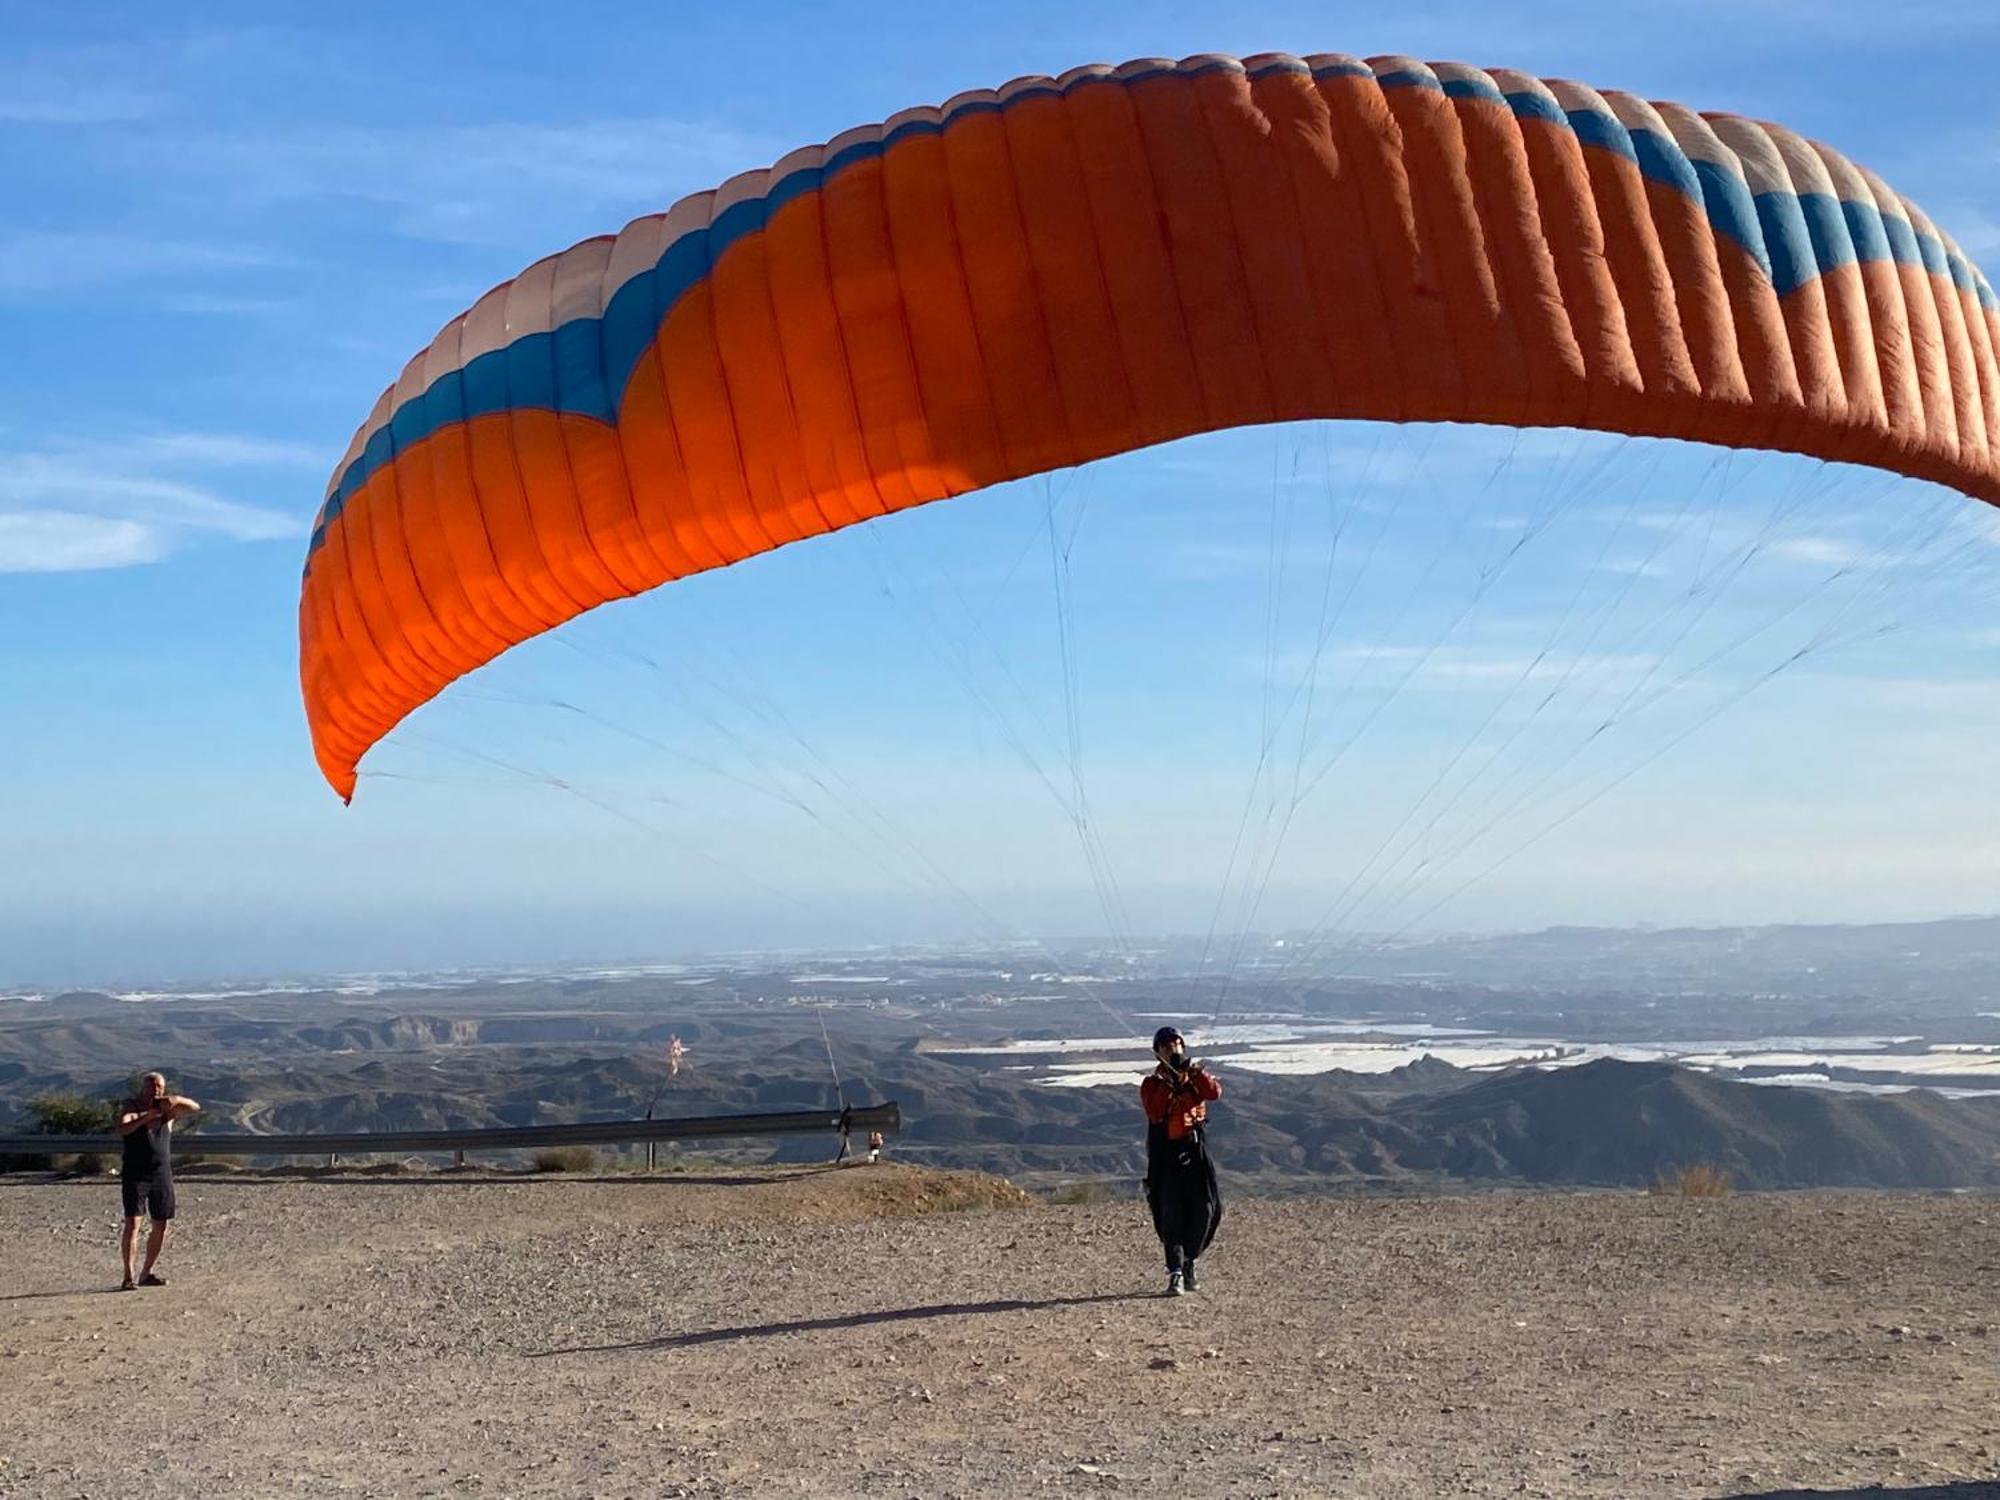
{"x": 883, "y": 1117}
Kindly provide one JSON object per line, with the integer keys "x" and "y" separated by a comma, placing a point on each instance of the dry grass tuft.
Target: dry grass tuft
{"x": 897, "y": 1192}
{"x": 1702, "y": 1180}
{"x": 566, "y": 1159}
{"x": 1091, "y": 1190}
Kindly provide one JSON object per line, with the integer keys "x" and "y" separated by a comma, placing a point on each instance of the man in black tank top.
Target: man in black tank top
{"x": 146, "y": 1123}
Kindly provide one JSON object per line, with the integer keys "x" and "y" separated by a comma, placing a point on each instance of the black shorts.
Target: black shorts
{"x": 156, "y": 1192}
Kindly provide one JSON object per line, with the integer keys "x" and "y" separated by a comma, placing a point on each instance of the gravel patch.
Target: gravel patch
{"x": 894, "y": 1332}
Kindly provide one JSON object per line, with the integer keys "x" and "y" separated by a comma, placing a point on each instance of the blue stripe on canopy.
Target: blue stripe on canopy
{"x": 583, "y": 366}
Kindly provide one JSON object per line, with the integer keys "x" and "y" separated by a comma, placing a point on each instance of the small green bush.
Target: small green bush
{"x": 70, "y": 1114}
{"x": 63, "y": 1113}
{"x": 566, "y": 1159}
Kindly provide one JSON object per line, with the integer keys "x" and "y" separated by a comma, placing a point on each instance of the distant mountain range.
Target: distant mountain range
{"x": 561, "y": 1049}
{"x": 1954, "y": 961}
{"x": 1602, "y": 1123}
{"x": 1427, "y": 1125}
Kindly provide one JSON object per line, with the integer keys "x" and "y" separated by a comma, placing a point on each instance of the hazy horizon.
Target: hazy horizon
{"x": 1030, "y": 951}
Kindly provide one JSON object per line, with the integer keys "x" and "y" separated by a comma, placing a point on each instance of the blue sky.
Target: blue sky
{"x": 225, "y": 229}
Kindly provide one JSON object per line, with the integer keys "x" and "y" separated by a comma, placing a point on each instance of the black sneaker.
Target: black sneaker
{"x": 1189, "y": 1280}
{"x": 1175, "y": 1288}
{"x": 149, "y": 1279}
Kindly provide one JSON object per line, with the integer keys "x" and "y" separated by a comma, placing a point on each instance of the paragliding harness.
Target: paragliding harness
{"x": 1168, "y": 1152}
{"x": 1174, "y": 1166}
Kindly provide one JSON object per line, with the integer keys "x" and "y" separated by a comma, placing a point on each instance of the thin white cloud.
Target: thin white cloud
{"x": 1838, "y": 542}
{"x": 1976, "y": 230}
{"x": 1450, "y": 665}
{"x": 129, "y": 501}
{"x": 1830, "y": 551}
{"x": 1453, "y": 664}
{"x": 220, "y": 450}
{"x": 1919, "y": 24}
{"x": 1594, "y": 667}
{"x": 42, "y": 261}
{"x": 34, "y": 481}
{"x": 1937, "y": 699}
{"x": 471, "y": 184}
{"x": 74, "y": 87}
{"x": 1193, "y": 562}
{"x": 57, "y": 541}
{"x": 208, "y": 304}
{"x": 1635, "y": 567}
{"x": 1318, "y": 457}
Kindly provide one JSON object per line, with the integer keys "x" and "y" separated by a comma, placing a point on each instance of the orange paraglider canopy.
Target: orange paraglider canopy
{"x": 1067, "y": 268}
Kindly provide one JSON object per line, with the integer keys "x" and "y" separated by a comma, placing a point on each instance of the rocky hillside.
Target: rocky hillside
{"x": 1604, "y": 1123}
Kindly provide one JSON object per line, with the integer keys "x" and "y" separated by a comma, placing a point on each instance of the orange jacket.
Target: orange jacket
{"x": 1179, "y": 1102}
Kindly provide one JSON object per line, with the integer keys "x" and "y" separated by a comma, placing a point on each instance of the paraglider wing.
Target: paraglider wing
{"x": 1068, "y": 268}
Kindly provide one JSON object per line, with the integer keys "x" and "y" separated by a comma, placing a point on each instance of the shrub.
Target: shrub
{"x": 566, "y": 1159}
{"x": 1091, "y": 1191}
{"x": 952, "y": 1198}
{"x": 913, "y": 1193}
{"x": 65, "y": 1113}
{"x": 70, "y": 1114}
{"x": 1702, "y": 1180}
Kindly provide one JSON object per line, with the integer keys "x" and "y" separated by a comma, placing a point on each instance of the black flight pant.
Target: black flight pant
{"x": 1186, "y": 1202}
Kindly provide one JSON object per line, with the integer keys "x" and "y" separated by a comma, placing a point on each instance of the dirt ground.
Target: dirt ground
{"x": 887, "y": 1331}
